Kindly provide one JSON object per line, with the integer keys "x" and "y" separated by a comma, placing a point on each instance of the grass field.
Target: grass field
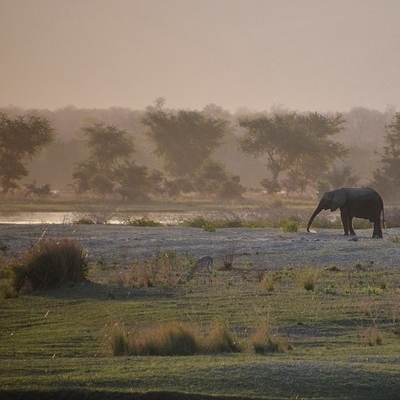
{"x": 342, "y": 322}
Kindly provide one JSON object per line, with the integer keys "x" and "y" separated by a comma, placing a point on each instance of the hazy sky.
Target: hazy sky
{"x": 323, "y": 55}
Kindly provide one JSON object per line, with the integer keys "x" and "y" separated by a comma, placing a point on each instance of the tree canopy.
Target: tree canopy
{"x": 21, "y": 138}
{"x": 387, "y": 178}
{"x": 109, "y": 148}
{"x": 185, "y": 139}
{"x": 292, "y": 142}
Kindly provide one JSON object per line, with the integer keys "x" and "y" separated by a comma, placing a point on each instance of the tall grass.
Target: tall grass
{"x": 265, "y": 341}
{"x": 170, "y": 339}
{"x": 49, "y": 264}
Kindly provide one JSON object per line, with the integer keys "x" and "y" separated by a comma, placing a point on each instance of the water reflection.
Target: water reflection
{"x": 37, "y": 218}
{"x": 167, "y": 218}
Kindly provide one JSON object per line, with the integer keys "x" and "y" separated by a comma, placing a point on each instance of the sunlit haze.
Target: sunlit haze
{"x": 298, "y": 54}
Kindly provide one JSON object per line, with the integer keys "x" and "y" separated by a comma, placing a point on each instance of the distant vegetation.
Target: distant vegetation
{"x": 123, "y": 154}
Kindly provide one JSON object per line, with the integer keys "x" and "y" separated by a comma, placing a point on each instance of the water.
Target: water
{"x": 36, "y": 218}
{"x": 167, "y": 218}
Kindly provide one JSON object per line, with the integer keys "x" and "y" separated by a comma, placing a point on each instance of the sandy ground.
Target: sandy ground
{"x": 263, "y": 248}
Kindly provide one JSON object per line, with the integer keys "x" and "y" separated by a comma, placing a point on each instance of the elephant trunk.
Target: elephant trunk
{"x": 315, "y": 213}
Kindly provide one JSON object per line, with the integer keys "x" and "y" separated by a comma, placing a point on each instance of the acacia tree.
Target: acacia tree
{"x": 387, "y": 178}
{"x": 110, "y": 148}
{"x": 296, "y": 143}
{"x": 185, "y": 139}
{"x": 21, "y": 138}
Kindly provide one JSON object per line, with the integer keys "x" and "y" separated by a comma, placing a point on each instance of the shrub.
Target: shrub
{"x": 289, "y": 225}
{"x": 143, "y": 222}
{"x": 170, "y": 339}
{"x": 220, "y": 340}
{"x": 83, "y": 221}
{"x": 197, "y": 222}
{"x": 267, "y": 281}
{"x": 264, "y": 341}
{"x": 372, "y": 337}
{"x": 209, "y": 226}
{"x": 50, "y": 264}
{"x": 308, "y": 278}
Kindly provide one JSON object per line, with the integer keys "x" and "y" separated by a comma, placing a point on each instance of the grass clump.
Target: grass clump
{"x": 170, "y": 339}
{"x": 264, "y": 341}
{"x": 308, "y": 278}
{"x": 166, "y": 268}
{"x": 289, "y": 225}
{"x": 143, "y": 222}
{"x": 51, "y": 263}
{"x": 372, "y": 337}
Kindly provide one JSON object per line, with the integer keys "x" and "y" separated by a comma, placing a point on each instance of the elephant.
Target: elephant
{"x": 363, "y": 203}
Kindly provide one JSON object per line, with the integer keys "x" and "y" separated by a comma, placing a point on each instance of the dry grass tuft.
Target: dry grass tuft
{"x": 170, "y": 339}
{"x": 49, "y": 264}
{"x": 264, "y": 341}
{"x": 372, "y": 337}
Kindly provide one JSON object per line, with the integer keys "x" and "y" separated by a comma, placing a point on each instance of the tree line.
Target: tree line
{"x": 297, "y": 151}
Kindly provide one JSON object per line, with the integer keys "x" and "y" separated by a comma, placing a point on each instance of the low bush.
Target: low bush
{"x": 372, "y": 337}
{"x": 170, "y": 339}
{"x": 308, "y": 278}
{"x": 143, "y": 222}
{"x": 166, "y": 268}
{"x": 49, "y": 264}
{"x": 289, "y": 225}
{"x": 264, "y": 341}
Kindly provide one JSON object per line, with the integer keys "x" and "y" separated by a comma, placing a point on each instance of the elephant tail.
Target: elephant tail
{"x": 383, "y": 218}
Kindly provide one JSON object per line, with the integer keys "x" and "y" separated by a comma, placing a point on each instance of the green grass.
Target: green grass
{"x": 343, "y": 336}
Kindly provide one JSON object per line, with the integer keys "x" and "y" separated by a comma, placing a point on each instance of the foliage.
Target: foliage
{"x": 99, "y": 213}
{"x": 308, "y": 278}
{"x": 166, "y": 268}
{"x": 21, "y": 138}
{"x": 289, "y": 225}
{"x": 372, "y": 336}
{"x": 37, "y": 191}
{"x": 110, "y": 149}
{"x": 184, "y": 139}
{"x": 292, "y": 142}
{"x": 170, "y": 339}
{"x": 135, "y": 181}
{"x": 387, "y": 178}
{"x": 265, "y": 341}
{"x": 144, "y": 221}
{"x": 47, "y": 332}
{"x": 51, "y": 263}
{"x": 337, "y": 177}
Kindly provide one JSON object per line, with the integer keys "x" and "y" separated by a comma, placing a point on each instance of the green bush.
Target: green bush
{"x": 143, "y": 222}
{"x": 289, "y": 225}
{"x": 50, "y": 264}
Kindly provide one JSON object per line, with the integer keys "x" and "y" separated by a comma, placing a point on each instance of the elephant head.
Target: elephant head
{"x": 330, "y": 200}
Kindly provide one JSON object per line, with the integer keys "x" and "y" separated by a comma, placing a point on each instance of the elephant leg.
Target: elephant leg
{"x": 345, "y": 220}
{"x": 377, "y": 230}
{"x": 351, "y": 226}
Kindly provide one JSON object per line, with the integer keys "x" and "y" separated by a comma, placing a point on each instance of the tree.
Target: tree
{"x": 337, "y": 177}
{"x": 110, "y": 148}
{"x": 387, "y": 178}
{"x": 185, "y": 139}
{"x": 213, "y": 179}
{"x": 21, "y": 138}
{"x": 292, "y": 142}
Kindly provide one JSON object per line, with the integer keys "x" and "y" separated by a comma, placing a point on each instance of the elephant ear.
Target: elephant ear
{"x": 339, "y": 199}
